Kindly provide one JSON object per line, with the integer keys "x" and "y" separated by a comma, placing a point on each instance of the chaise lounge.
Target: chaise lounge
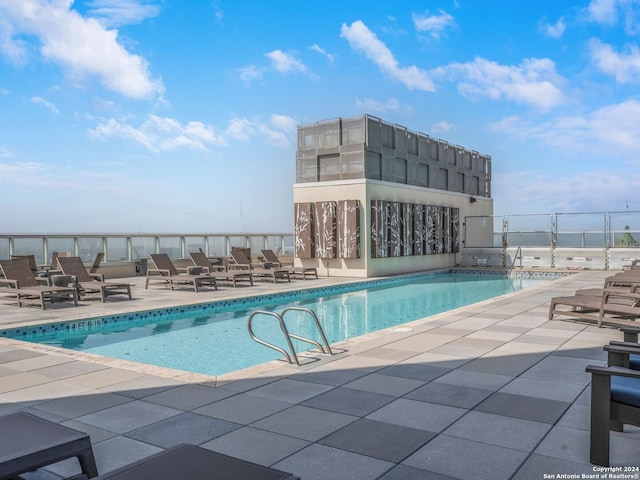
{"x": 241, "y": 262}
{"x": 89, "y": 283}
{"x": 200, "y": 260}
{"x": 613, "y": 307}
{"x": 271, "y": 257}
{"x": 22, "y": 284}
{"x": 166, "y": 273}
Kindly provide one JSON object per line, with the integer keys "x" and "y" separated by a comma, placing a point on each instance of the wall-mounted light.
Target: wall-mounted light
{"x": 472, "y": 200}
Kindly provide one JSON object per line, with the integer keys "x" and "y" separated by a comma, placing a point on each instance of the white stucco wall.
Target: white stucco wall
{"x": 364, "y": 191}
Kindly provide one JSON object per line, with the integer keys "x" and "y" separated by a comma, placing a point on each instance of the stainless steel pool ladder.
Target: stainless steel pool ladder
{"x": 326, "y": 349}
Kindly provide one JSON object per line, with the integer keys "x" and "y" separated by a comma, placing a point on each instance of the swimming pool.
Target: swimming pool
{"x": 213, "y": 339}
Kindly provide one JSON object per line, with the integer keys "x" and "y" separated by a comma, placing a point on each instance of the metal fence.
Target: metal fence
{"x": 561, "y": 230}
{"x": 133, "y": 247}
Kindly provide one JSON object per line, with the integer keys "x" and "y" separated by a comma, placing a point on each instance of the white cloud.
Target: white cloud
{"x": 323, "y": 52}
{"x": 250, "y": 73}
{"x": 533, "y": 82}
{"x": 556, "y": 30}
{"x": 603, "y": 11}
{"x": 373, "y": 106}
{"x": 80, "y": 46}
{"x": 122, "y": 12}
{"x": 435, "y": 25}
{"x": 624, "y": 67}
{"x": 44, "y": 103}
{"x": 611, "y": 131}
{"x": 4, "y": 153}
{"x": 363, "y": 40}
{"x": 442, "y": 127}
{"x": 160, "y": 134}
{"x": 285, "y": 62}
{"x": 609, "y": 12}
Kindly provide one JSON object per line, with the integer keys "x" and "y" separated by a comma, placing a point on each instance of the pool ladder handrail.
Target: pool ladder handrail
{"x": 326, "y": 349}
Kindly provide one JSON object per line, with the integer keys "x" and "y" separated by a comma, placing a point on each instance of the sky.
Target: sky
{"x": 167, "y": 116}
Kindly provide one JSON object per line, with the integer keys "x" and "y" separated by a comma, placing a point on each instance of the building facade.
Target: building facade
{"x": 372, "y": 198}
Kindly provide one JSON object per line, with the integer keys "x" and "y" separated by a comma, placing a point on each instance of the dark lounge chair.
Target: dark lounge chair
{"x": 28, "y": 442}
{"x": 220, "y": 273}
{"x": 271, "y": 257}
{"x": 615, "y": 399}
{"x": 26, "y": 287}
{"x": 194, "y": 463}
{"x": 88, "y": 283}
{"x": 241, "y": 262}
{"x": 167, "y": 273}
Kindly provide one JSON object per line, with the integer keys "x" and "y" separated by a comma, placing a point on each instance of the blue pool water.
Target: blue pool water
{"x": 214, "y": 340}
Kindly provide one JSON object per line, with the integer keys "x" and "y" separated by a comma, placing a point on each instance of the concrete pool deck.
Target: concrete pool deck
{"x": 488, "y": 391}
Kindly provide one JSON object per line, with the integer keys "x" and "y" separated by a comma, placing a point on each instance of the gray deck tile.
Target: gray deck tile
{"x": 8, "y": 371}
{"x": 416, "y": 414}
{"x": 119, "y": 451}
{"x": 69, "y": 369}
{"x": 387, "y": 353}
{"x": 479, "y": 461}
{"x": 448, "y": 394}
{"x": 560, "y": 375}
{"x": 96, "y": 434}
{"x": 289, "y": 390}
{"x": 13, "y": 355}
{"x": 319, "y": 462}
{"x": 437, "y": 360}
{"x": 306, "y": 423}
{"x": 128, "y": 416}
{"x": 349, "y": 401}
{"x": 566, "y": 392}
{"x": 332, "y": 377}
{"x": 384, "y": 384}
{"x": 188, "y": 397}
{"x": 35, "y": 363}
{"x": 43, "y": 392}
{"x": 527, "y": 408}
{"x": 484, "y": 381}
{"x": 577, "y": 416}
{"x": 404, "y": 472}
{"x": 500, "y": 364}
{"x": 567, "y": 444}
{"x": 183, "y": 428}
{"x": 76, "y": 406}
{"x": 499, "y": 430}
{"x": 415, "y": 371}
{"x": 254, "y": 445}
{"x": 21, "y": 380}
{"x": 382, "y": 440}
{"x": 537, "y": 466}
{"x": 141, "y": 387}
{"x": 242, "y": 408}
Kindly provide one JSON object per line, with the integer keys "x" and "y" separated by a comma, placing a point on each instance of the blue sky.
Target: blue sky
{"x": 174, "y": 116}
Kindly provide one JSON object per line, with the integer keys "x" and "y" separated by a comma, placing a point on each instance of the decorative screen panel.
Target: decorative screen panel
{"x": 406, "y": 229}
{"x": 303, "y": 230}
{"x": 349, "y": 229}
{"x": 325, "y": 230}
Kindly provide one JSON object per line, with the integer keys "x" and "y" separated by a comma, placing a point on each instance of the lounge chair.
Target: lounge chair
{"x": 271, "y": 257}
{"x": 25, "y": 286}
{"x": 620, "y": 282}
{"x": 615, "y": 401}
{"x": 31, "y": 260}
{"x": 165, "y": 272}
{"x": 241, "y": 262}
{"x": 96, "y": 263}
{"x": 89, "y": 283}
{"x": 28, "y": 442}
{"x": 194, "y": 463}
{"x": 612, "y": 307}
{"x": 200, "y": 259}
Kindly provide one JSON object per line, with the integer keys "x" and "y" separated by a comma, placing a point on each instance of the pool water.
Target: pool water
{"x": 219, "y": 343}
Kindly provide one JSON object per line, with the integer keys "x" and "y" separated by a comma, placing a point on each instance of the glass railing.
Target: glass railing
{"x": 128, "y": 248}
